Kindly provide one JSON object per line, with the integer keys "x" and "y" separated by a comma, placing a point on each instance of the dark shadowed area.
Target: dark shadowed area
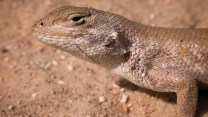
{"x": 39, "y": 81}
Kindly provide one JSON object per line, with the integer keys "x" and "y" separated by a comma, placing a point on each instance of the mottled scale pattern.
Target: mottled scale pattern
{"x": 155, "y": 58}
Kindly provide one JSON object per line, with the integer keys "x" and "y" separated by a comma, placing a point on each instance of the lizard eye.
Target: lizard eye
{"x": 76, "y": 20}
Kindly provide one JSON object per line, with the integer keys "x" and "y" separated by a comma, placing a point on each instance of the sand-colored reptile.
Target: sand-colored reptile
{"x": 156, "y": 58}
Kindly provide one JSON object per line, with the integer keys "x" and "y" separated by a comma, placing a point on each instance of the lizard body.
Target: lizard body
{"x": 156, "y": 58}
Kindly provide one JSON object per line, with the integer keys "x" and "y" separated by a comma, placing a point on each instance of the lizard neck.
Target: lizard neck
{"x": 142, "y": 53}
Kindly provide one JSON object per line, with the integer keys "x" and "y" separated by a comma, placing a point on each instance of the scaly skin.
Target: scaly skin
{"x": 159, "y": 59}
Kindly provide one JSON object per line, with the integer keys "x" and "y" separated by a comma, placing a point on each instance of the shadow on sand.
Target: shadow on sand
{"x": 202, "y": 107}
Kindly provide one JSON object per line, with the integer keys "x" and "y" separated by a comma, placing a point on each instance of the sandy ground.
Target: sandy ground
{"x": 40, "y": 81}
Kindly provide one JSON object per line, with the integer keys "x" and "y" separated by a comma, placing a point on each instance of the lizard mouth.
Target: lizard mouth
{"x": 45, "y": 36}
{"x": 49, "y": 37}
{"x": 54, "y": 41}
{"x": 60, "y": 42}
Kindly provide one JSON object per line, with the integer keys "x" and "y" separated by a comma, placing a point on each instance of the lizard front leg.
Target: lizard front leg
{"x": 187, "y": 96}
{"x": 184, "y": 85}
{"x": 181, "y": 83}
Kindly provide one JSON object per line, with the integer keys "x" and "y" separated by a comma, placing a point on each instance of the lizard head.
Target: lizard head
{"x": 87, "y": 33}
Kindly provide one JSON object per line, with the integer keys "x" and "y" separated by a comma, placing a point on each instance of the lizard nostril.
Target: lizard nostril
{"x": 41, "y": 23}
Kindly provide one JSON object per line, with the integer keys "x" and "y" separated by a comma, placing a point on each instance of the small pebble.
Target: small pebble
{"x": 6, "y": 59}
{"x": 152, "y": 16}
{"x": 61, "y": 82}
{"x": 10, "y": 107}
{"x": 129, "y": 105}
{"x": 34, "y": 95}
{"x": 115, "y": 85}
{"x": 31, "y": 62}
{"x": 70, "y": 101}
{"x": 58, "y": 51}
{"x": 122, "y": 89}
{"x": 18, "y": 102}
{"x": 101, "y": 99}
{"x": 9, "y": 95}
{"x": 47, "y": 66}
{"x": 124, "y": 98}
{"x": 53, "y": 76}
{"x": 70, "y": 67}
{"x": 54, "y": 63}
{"x": 63, "y": 57}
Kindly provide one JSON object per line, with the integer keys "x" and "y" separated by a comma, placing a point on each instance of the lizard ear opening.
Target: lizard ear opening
{"x": 111, "y": 43}
{"x": 112, "y": 39}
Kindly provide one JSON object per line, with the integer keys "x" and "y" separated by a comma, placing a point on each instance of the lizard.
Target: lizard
{"x": 156, "y": 58}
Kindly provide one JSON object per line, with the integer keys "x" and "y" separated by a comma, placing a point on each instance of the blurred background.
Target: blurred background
{"x": 39, "y": 81}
